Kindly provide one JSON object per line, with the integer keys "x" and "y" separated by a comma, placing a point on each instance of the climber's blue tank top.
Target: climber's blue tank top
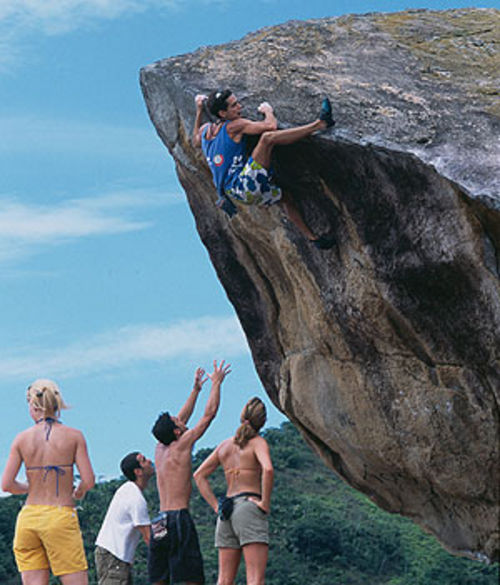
{"x": 225, "y": 157}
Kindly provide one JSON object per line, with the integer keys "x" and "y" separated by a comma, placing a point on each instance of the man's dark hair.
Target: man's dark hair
{"x": 163, "y": 429}
{"x": 217, "y": 101}
{"x": 128, "y": 464}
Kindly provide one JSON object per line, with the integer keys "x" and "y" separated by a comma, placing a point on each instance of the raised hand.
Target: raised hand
{"x": 200, "y": 99}
{"x": 198, "y": 379}
{"x": 265, "y": 107}
{"x": 220, "y": 372}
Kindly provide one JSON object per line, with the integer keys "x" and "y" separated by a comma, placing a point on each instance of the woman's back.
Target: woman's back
{"x": 47, "y": 535}
{"x": 241, "y": 467}
{"x": 48, "y": 450}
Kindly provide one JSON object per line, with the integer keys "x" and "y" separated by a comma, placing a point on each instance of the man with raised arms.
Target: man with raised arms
{"x": 174, "y": 550}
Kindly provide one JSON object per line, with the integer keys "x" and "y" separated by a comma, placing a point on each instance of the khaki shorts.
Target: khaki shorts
{"x": 49, "y": 537}
{"x": 110, "y": 569}
{"x": 248, "y": 524}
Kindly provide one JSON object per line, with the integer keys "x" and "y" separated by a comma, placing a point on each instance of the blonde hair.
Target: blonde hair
{"x": 253, "y": 418}
{"x": 45, "y": 395}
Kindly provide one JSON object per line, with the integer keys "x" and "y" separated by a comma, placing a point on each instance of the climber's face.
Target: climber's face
{"x": 233, "y": 110}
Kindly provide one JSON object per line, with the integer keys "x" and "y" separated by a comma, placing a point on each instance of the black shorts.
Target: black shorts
{"x": 174, "y": 554}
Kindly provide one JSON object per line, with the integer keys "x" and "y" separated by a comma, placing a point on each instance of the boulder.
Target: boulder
{"x": 384, "y": 350}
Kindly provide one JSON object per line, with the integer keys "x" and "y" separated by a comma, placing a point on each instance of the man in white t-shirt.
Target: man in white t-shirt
{"x": 126, "y": 520}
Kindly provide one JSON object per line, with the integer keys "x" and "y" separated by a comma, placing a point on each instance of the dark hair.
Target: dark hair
{"x": 252, "y": 420}
{"x": 217, "y": 101}
{"x": 163, "y": 429}
{"x": 128, "y": 464}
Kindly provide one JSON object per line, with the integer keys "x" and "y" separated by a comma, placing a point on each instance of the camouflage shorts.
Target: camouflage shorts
{"x": 253, "y": 186}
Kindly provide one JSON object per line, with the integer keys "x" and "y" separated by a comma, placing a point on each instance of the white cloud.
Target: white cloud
{"x": 23, "y": 20}
{"x": 74, "y": 219}
{"x": 25, "y": 228}
{"x": 60, "y": 16}
{"x": 198, "y": 338}
{"x": 10, "y": 50}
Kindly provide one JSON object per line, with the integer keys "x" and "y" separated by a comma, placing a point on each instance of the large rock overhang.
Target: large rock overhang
{"x": 383, "y": 351}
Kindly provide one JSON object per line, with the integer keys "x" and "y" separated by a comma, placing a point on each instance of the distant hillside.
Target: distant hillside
{"x": 320, "y": 528}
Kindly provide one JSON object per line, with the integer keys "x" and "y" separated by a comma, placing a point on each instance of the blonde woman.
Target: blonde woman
{"x": 242, "y": 523}
{"x": 47, "y": 535}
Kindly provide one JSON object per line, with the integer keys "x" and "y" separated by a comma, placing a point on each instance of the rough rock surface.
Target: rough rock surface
{"x": 383, "y": 351}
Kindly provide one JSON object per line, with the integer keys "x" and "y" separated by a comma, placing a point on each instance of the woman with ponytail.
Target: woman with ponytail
{"x": 242, "y": 515}
{"x": 47, "y": 535}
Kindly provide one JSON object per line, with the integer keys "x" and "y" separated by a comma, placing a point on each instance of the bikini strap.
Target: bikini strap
{"x": 48, "y": 468}
{"x": 50, "y": 421}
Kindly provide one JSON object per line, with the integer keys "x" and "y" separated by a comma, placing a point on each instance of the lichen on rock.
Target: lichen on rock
{"x": 383, "y": 351}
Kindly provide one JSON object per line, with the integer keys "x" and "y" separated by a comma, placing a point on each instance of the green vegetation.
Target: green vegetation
{"x": 458, "y": 45}
{"x": 322, "y": 531}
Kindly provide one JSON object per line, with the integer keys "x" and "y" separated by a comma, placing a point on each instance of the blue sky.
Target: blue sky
{"x": 105, "y": 285}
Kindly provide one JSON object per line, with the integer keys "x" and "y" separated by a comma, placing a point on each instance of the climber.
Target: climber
{"x": 249, "y": 180}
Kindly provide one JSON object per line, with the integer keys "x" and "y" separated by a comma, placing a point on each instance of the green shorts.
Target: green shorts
{"x": 110, "y": 569}
{"x": 248, "y": 524}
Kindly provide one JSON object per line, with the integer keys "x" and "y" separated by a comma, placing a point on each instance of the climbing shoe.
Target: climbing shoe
{"x": 326, "y": 113}
{"x": 323, "y": 243}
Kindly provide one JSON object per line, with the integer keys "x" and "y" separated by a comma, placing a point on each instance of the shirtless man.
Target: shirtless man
{"x": 248, "y": 180}
{"x": 242, "y": 523}
{"x": 174, "y": 550}
{"x": 47, "y": 533}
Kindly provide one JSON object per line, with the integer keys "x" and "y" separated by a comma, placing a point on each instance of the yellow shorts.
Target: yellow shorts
{"x": 49, "y": 537}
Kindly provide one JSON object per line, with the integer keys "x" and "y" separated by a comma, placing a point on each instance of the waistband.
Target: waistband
{"x": 162, "y": 514}
{"x": 48, "y": 507}
{"x": 245, "y": 495}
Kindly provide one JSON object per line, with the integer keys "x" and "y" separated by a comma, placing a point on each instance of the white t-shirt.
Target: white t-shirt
{"x": 119, "y": 533}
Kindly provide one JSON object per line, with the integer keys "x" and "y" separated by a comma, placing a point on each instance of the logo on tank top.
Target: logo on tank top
{"x": 218, "y": 160}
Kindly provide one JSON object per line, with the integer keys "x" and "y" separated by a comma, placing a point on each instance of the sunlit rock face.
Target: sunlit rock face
{"x": 384, "y": 350}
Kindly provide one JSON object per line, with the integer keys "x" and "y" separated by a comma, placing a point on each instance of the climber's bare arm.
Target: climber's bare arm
{"x": 198, "y": 127}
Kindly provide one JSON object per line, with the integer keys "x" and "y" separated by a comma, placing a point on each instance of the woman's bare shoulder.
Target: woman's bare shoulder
{"x": 72, "y": 433}
{"x": 225, "y": 444}
{"x": 23, "y": 436}
{"x": 257, "y": 440}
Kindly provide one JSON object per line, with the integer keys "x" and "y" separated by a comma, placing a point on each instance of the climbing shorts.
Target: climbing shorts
{"x": 248, "y": 524}
{"x": 49, "y": 537}
{"x": 253, "y": 186}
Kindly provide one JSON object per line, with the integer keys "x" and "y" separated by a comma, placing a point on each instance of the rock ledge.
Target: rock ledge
{"x": 384, "y": 351}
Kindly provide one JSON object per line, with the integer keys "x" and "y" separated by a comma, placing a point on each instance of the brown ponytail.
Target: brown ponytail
{"x": 253, "y": 418}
